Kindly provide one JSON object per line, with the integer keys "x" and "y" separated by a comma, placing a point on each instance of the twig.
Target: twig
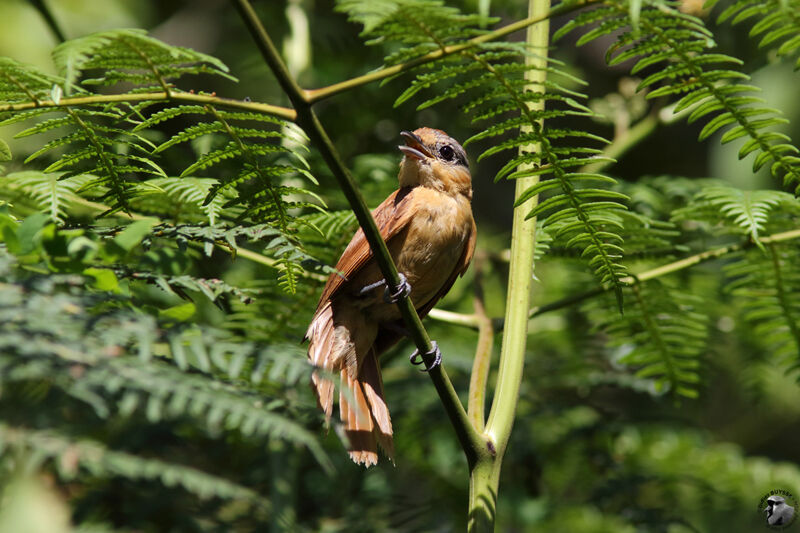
{"x": 49, "y": 19}
{"x": 176, "y": 96}
{"x": 459, "y": 319}
{"x": 483, "y": 353}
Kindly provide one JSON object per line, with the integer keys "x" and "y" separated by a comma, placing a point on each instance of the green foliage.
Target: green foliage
{"x": 131, "y": 56}
{"x": 674, "y": 46}
{"x": 110, "y": 142}
{"x": 744, "y": 212}
{"x": 49, "y": 191}
{"x": 86, "y": 326}
{"x": 70, "y": 457}
{"x": 777, "y": 22}
{"x": 492, "y": 81}
{"x": 767, "y": 283}
{"x": 662, "y": 334}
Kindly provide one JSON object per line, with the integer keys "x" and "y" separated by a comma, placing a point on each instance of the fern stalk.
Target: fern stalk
{"x": 783, "y": 296}
{"x": 473, "y": 321}
{"x": 485, "y": 474}
{"x": 172, "y": 96}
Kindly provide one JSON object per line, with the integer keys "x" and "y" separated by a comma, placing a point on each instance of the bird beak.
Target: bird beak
{"x": 414, "y": 147}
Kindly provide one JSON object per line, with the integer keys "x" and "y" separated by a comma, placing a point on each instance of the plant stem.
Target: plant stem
{"x": 470, "y": 440}
{"x": 471, "y": 321}
{"x": 624, "y": 142}
{"x": 49, "y": 19}
{"x": 485, "y": 475}
{"x": 173, "y": 96}
{"x": 315, "y": 95}
{"x": 483, "y": 354}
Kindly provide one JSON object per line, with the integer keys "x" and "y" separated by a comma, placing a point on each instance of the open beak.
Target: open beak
{"x": 414, "y": 147}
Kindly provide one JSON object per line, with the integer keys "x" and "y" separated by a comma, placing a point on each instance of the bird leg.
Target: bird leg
{"x": 389, "y": 296}
{"x": 435, "y": 353}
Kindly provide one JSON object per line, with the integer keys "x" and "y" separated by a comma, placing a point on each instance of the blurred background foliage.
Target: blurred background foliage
{"x": 225, "y": 436}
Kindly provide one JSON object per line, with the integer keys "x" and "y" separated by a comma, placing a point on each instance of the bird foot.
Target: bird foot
{"x": 417, "y": 359}
{"x": 389, "y": 296}
{"x": 401, "y": 291}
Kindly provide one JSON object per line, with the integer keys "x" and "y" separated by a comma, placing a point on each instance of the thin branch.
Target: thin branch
{"x": 624, "y": 142}
{"x": 457, "y": 319}
{"x": 176, "y": 96}
{"x": 630, "y": 137}
{"x": 470, "y": 321}
{"x": 483, "y": 354}
{"x": 315, "y": 95}
{"x": 470, "y": 440}
{"x": 49, "y": 19}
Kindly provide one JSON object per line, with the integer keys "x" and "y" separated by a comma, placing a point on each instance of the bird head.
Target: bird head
{"x": 436, "y": 160}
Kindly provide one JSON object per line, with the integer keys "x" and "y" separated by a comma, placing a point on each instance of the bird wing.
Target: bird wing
{"x": 388, "y": 336}
{"x": 391, "y": 217}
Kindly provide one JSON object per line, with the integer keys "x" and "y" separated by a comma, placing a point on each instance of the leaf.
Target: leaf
{"x": 104, "y": 279}
{"x": 5, "y": 152}
{"x": 181, "y": 312}
{"x": 133, "y": 234}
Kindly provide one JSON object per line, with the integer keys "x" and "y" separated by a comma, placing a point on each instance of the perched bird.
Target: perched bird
{"x": 428, "y": 227}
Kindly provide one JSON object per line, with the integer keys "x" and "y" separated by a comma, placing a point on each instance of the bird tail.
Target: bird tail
{"x": 362, "y": 407}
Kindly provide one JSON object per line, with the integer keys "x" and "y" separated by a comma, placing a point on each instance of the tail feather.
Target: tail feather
{"x": 321, "y": 336}
{"x": 373, "y": 386}
{"x": 362, "y": 407}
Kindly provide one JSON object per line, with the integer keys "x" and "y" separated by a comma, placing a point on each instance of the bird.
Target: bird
{"x": 430, "y": 232}
{"x": 778, "y": 512}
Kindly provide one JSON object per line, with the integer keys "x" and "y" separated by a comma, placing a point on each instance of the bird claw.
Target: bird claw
{"x": 435, "y": 352}
{"x": 402, "y": 290}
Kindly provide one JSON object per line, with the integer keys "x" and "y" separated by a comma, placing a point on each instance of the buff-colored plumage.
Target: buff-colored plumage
{"x": 429, "y": 230}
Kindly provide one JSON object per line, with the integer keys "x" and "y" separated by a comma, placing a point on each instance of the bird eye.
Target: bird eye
{"x": 446, "y": 152}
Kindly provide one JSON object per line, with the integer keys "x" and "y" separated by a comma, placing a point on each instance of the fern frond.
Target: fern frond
{"x": 258, "y": 181}
{"x": 48, "y": 191}
{"x": 181, "y": 198}
{"x": 675, "y": 46}
{"x": 662, "y": 335}
{"x": 91, "y": 145}
{"x": 767, "y": 282}
{"x": 130, "y": 55}
{"x": 421, "y": 26}
{"x": 83, "y": 342}
{"x": 777, "y": 22}
{"x": 70, "y": 457}
{"x": 746, "y": 212}
{"x": 25, "y": 83}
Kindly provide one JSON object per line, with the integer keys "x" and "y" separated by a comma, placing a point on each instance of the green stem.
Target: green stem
{"x": 471, "y": 441}
{"x": 173, "y": 96}
{"x": 485, "y": 474}
{"x": 483, "y": 354}
{"x": 49, "y": 19}
{"x": 624, "y": 142}
{"x": 471, "y": 321}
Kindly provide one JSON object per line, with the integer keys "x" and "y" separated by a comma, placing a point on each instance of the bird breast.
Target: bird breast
{"x": 433, "y": 242}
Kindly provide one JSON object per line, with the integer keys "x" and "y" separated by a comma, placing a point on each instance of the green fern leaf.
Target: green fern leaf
{"x": 677, "y": 46}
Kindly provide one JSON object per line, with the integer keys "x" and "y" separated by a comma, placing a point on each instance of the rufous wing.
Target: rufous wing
{"x": 391, "y": 217}
{"x": 388, "y": 336}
